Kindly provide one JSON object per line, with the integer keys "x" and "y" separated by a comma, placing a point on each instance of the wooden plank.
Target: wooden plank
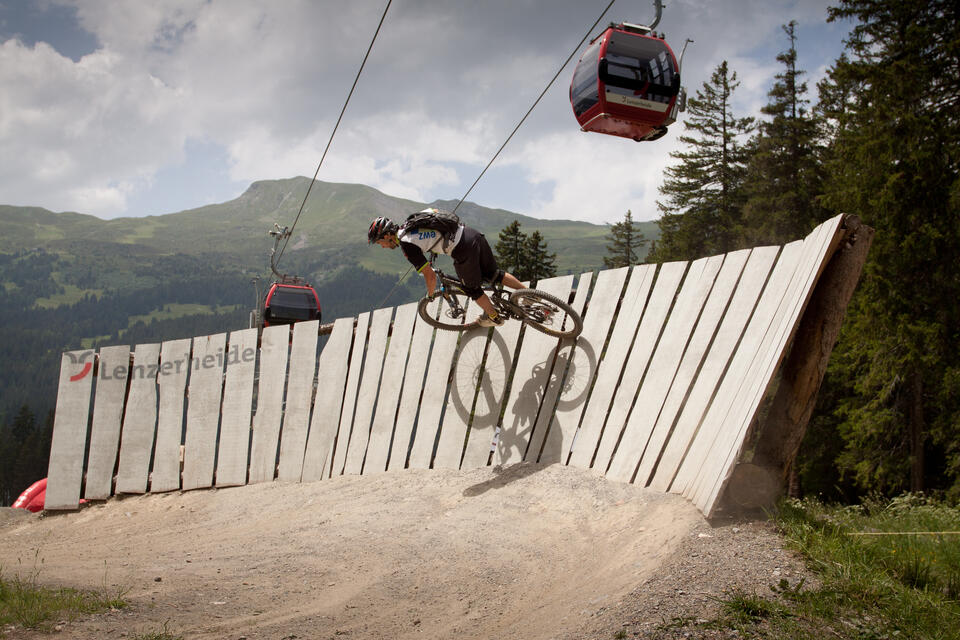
{"x": 490, "y": 393}
{"x": 467, "y": 371}
{"x": 339, "y": 457}
{"x": 65, "y": 468}
{"x": 271, "y": 381}
{"x": 235, "y": 423}
{"x": 388, "y": 400}
{"x": 203, "y": 410}
{"x": 296, "y": 415}
{"x": 762, "y": 327}
{"x": 611, "y": 365}
{"x": 663, "y": 367}
{"x": 815, "y": 252}
{"x": 558, "y": 394}
{"x": 701, "y": 450}
{"x": 661, "y": 299}
{"x": 139, "y": 421}
{"x": 801, "y": 374}
{"x": 413, "y": 386}
{"x": 576, "y": 365}
{"x": 531, "y": 379}
{"x": 372, "y": 367}
{"x": 331, "y": 383}
{"x": 434, "y": 398}
{"x": 735, "y": 318}
{"x": 723, "y": 287}
{"x": 114, "y": 365}
{"x": 172, "y": 382}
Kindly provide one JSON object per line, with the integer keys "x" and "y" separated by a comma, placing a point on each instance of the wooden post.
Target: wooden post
{"x": 802, "y": 373}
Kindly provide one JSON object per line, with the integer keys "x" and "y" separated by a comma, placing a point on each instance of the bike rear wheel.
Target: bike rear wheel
{"x": 438, "y": 311}
{"x": 548, "y": 313}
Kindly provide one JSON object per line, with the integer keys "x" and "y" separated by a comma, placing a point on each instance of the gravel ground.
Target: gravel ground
{"x": 523, "y": 552}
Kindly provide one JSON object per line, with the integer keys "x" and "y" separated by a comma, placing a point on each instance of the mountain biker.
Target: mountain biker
{"x": 472, "y": 259}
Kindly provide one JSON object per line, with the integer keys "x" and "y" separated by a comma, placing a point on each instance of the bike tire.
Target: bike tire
{"x": 436, "y": 312}
{"x": 541, "y": 312}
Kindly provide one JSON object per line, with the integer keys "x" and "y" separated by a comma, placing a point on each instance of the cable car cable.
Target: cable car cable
{"x": 333, "y": 133}
{"x": 536, "y": 102}
{"x": 550, "y": 84}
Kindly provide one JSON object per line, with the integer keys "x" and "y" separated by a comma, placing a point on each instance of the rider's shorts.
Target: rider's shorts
{"x": 474, "y": 262}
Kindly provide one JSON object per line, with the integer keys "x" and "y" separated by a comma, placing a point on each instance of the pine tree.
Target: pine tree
{"x": 626, "y": 240}
{"x": 540, "y": 263}
{"x": 703, "y": 194}
{"x": 783, "y": 176}
{"x": 511, "y": 250}
{"x": 892, "y": 105}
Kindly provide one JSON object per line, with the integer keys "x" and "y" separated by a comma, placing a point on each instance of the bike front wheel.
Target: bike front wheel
{"x": 447, "y": 310}
{"x": 548, "y": 313}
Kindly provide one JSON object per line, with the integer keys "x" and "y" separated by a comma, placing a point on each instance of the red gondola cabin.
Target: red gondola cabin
{"x": 626, "y": 84}
{"x": 290, "y": 303}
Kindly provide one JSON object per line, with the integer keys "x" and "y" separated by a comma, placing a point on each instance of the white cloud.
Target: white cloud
{"x": 263, "y": 83}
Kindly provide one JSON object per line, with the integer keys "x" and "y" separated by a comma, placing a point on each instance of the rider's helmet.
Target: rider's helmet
{"x": 379, "y": 228}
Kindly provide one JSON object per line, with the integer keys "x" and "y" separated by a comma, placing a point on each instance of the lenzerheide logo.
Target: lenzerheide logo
{"x": 87, "y": 366}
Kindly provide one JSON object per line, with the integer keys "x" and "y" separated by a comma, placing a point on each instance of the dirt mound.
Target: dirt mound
{"x": 524, "y": 552}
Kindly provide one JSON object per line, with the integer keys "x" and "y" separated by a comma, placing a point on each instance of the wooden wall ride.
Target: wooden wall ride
{"x": 660, "y": 389}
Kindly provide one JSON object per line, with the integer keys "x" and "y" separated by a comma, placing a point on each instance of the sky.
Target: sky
{"x": 146, "y": 107}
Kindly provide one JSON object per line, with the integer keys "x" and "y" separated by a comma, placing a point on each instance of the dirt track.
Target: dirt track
{"x": 527, "y": 552}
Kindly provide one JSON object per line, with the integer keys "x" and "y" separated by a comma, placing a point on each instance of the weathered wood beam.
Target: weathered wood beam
{"x": 802, "y": 373}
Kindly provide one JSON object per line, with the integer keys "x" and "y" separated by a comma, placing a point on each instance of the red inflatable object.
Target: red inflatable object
{"x": 32, "y": 499}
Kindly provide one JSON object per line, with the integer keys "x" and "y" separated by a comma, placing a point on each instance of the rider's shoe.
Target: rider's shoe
{"x": 490, "y": 321}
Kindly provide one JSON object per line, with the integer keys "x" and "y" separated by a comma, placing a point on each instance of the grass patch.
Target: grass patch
{"x": 71, "y": 295}
{"x": 179, "y": 310}
{"x": 25, "y": 603}
{"x": 888, "y": 569}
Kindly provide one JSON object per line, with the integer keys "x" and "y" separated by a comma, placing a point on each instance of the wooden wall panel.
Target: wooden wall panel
{"x": 410, "y": 396}
{"x": 203, "y": 411}
{"x": 172, "y": 388}
{"x": 299, "y": 400}
{"x": 610, "y": 366}
{"x": 331, "y": 384}
{"x": 816, "y": 251}
{"x": 65, "y": 469}
{"x": 733, "y": 264}
{"x": 576, "y": 364}
{"x": 271, "y": 383}
{"x": 492, "y": 386}
{"x": 357, "y": 351}
{"x": 388, "y": 400}
{"x": 532, "y": 378}
{"x": 654, "y": 316}
{"x": 663, "y": 366}
{"x": 139, "y": 421}
{"x": 234, "y": 445}
{"x": 467, "y": 371}
{"x": 434, "y": 398}
{"x": 710, "y": 373}
{"x": 114, "y": 365}
{"x": 369, "y": 386}
{"x": 702, "y": 449}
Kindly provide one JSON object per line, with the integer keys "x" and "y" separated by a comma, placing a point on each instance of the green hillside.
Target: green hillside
{"x": 329, "y": 234}
{"x": 71, "y": 281}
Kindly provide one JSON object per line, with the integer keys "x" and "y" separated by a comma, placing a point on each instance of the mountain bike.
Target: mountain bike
{"x": 447, "y": 308}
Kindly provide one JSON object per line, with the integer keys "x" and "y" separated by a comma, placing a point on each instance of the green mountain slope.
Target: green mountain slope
{"x": 71, "y": 281}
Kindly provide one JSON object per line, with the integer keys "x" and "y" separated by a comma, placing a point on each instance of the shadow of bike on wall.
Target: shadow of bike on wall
{"x": 523, "y": 443}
